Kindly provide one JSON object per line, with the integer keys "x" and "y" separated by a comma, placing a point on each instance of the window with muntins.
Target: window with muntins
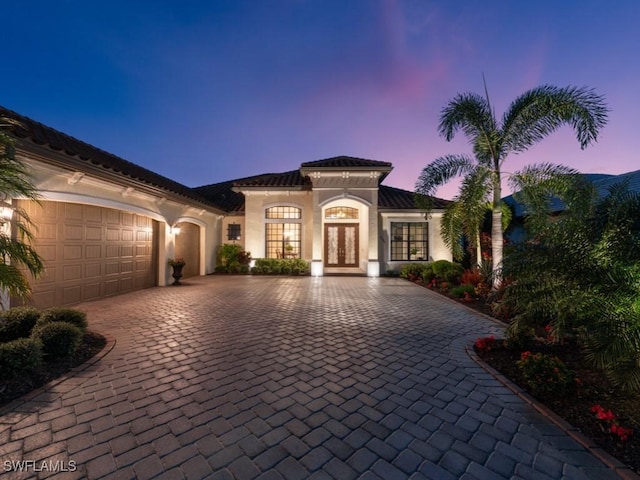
{"x": 340, "y": 213}
{"x": 409, "y": 241}
{"x": 283, "y": 232}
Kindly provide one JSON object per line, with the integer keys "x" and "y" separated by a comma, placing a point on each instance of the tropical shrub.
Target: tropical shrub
{"x": 412, "y": 271}
{"x": 59, "y": 339}
{"x": 231, "y": 258}
{"x": 471, "y": 276}
{"x": 466, "y": 291}
{"x": 581, "y": 276}
{"x": 17, "y": 322}
{"x": 64, "y": 314}
{"x": 19, "y": 358}
{"x": 546, "y": 374}
{"x": 447, "y": 271}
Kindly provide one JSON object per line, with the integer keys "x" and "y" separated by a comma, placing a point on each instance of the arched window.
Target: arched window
{"x": 283, "y": 232}
{"x": 340, "y": 213}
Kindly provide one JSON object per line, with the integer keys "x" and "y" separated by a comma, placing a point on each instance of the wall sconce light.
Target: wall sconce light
{"x": 175, "y": 230}
{"x": 6, "y": 214}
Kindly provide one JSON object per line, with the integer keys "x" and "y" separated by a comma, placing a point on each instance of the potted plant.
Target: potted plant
{"x": 177, "y": 264}
{"x": 414, "y": 252}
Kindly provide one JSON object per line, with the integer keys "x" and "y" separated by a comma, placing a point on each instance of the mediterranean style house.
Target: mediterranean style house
{"x": 106, "y": 226}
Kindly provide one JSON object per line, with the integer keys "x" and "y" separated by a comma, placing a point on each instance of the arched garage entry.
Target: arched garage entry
{"x": 187, "y": 246}
{"x": 91, "y": 252}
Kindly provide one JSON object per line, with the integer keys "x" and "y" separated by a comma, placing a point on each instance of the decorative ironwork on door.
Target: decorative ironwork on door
{"x": 341, "y": 245}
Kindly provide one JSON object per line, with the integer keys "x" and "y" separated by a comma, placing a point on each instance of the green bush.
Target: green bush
{"x": 19, "y": 358}
{"x": 231, "y": 258}
{"x": 17, "y": 322}
{"x": 460, "y": 290}
{"x": 546, "y": 375}
{"x": 412, "y": 271}
{"x": 426, "y": 272}
{"x": 278, "y": 266}
{"x": 64, "y": 314}
{"x": 59, "y": 339}
{"x": 447, "y": 271}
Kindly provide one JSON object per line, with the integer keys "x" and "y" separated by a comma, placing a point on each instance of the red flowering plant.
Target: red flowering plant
{"x": 546, "y": 375}
{"x": 485, "y": 344}
{"x": 611, "y": 423}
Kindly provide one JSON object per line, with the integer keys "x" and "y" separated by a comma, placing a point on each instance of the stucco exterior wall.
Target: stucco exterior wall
{"x": 57, "y": 184}
{"x": 255, "y": 205}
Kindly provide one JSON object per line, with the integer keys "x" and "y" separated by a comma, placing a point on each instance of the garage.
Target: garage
{"x": 91, "y": 252}
{"x": 188, "y": 248}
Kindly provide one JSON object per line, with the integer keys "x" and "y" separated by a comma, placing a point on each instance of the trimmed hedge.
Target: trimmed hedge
{"x": 281, "y": 266}
{"x": 17, "y": 322}
{"x": 64, "y": 314}
{"x": 20, "y": 358}
{"x": 59, "y": 339}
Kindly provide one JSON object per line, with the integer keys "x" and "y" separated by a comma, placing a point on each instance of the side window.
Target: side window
{"x": 409, "y": 241}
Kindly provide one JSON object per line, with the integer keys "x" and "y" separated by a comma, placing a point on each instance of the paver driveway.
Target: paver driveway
{"x": 242, "y": 377}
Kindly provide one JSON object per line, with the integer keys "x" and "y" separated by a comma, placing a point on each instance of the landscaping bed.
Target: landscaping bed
{"x": 91, "y": 345}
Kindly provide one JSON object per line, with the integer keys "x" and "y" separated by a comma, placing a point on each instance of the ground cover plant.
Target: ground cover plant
{"x": 39, "y": 346}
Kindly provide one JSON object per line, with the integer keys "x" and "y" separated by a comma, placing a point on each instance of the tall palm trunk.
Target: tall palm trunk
{"x": 497, "y": 242}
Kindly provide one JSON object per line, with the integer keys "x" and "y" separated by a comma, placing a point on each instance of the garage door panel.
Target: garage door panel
{"x": 91, "y": 252}
{"x": 72, "y": 272}
{"x": 91, "y": 291}
{"x": 92, "y": 214}
{"x": 127, "y": 219}
{"x": 72, "y": 252}
{"x": 72, "y": 211}
{"x": 47, "y": 231}
{"x": 92, "y": 270}
{"x": 72, "y": 232}
{"x": 71, "y": 294}
{"x": 93, "y": 234}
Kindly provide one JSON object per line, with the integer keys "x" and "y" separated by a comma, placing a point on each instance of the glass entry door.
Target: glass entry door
{"x": 341, "y": 245}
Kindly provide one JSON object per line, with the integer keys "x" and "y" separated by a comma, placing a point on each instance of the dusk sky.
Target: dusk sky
{"x": 208, "y": 91}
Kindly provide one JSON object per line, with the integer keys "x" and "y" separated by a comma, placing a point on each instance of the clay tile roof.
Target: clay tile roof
{"x": 292, "y": 178}
{"x": 57, "y": 141}
{"x": 398, "y": 199}
{"x": 223, "y": 195}
{"x": 346, "y": 162}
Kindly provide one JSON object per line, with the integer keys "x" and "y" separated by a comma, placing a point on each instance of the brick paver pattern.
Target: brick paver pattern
{"x": 244, "y": 377}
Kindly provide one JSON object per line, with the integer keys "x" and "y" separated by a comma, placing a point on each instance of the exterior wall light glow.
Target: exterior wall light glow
{"x": 6, "y": 214}
{"x": 175, "y": 230}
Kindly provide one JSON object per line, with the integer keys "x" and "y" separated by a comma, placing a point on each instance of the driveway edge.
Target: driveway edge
{"x": 616, "y": 465}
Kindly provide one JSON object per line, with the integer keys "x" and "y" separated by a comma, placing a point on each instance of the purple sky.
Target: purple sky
{"x": 207, "y": 91}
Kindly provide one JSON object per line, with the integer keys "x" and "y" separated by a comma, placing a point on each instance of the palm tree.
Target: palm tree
{"x": 529, "y": 119}
{"x": 16, "y": 253}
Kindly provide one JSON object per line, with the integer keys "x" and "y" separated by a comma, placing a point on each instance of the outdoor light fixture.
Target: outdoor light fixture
{"x": 6, "y": 213}
{"x": 175, "y": 230}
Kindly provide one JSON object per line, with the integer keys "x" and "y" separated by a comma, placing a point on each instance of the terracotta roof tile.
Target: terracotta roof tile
{"x": 346, "y": 162}
{"x": 396, "y": 198}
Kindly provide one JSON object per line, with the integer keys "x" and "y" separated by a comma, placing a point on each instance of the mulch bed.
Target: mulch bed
{"x": 92, "y": 344}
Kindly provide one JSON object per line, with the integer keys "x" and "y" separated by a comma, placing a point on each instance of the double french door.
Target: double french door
{"x": 341, "y": 245}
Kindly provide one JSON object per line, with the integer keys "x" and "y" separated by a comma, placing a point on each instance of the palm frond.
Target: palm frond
{"x": 542, "y": 110}
{"x": 438, "y": 173}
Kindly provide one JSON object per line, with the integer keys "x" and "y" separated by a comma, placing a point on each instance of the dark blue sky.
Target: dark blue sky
{"x": 207, "y": 91}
